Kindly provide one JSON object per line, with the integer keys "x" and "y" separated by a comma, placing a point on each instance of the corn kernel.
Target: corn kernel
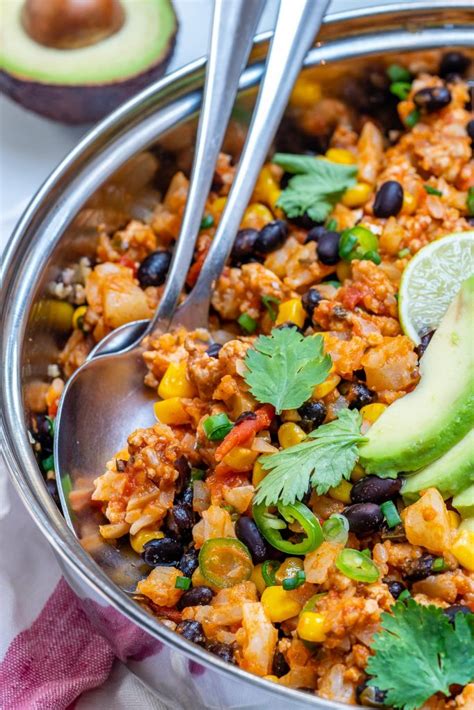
{"x": 329, "y": 384}
{"x": 257, "y": 578}
{"x": 175, "y": 383}
{"x": 171, "y": 411}
{"x": 290, "y": 434}
{"x": 341, "y": 492}
{"x": 357, "y": 195}
{"x": 240, "y": 459}
{"x": 311, "y": 626}
{"x": 357, "y": 473}
{"x": 410, "y": 203}
{"x": 454, "y": 519}
{"x": 279, "y": 604}
{"x": 305, "y": 93}
{"x": 139, "y": 540}
{"x": 371, "y": 412}
{"x": 258, "y": 473}
{"x": 291, "y": 311}
{"x": 272, "y": 678}
{"x": 78, "y": 314}
{"x": 266, "y": 189}
{"x": 290, "y": 415}
{"x": 344, "y": 270}
{"x": 217, "y": 207}
{"x": 256, "y": 216}
{"x": 340, "y": 155}
{"x": 463, "y": 549}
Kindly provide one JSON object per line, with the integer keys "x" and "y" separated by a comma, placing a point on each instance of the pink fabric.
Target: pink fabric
{"x": 59, "y": 657}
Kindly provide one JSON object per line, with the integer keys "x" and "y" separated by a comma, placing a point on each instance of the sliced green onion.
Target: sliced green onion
{"x": 357, "y": 566}
{"x": 331, "y": 226}
{"x": 182, "y": 583}
{"x": 217, "y": 426}
{"x": 336, "y": 528}
{"x": 470, "y": 202}
{"x": 197, "y": 474}
{"x": 48, "y": 464}
{"x": 247, "y": 323}
{"x": 269, "y": 302}
{"x": 269, "y": 570}
{"x": 390, "y": 513}
{"x": 372, "y": 256}
{"x": 294, "y": 582}
{"x": 412, "y": 118}
{"x": 207, "y": 221}
{"x": 432, "y": 190}
{"x": 439, "y": 565}
{"x": 397, "y": 73}
{"x": 403, "y": 253}
{"x": 404, "y": 595}
{"x": 400, "y": 89}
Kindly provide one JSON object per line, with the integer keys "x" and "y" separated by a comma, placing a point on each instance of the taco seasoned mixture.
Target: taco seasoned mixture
{"x": 304, "y": 502}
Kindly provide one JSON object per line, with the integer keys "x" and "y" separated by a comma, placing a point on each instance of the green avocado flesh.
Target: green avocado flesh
{"x": 450, "y": 474}
{"x": 143, "y": 41}
{"x": 423, "y": 425}
{"x": 464, "y": 502}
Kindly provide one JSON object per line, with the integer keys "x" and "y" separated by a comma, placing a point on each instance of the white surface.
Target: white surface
{"x": 30, "y": 147}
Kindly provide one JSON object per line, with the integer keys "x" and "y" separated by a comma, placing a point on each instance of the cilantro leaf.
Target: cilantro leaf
{"x": 323, "y": 459}
{"x": 418, "y": 652}
{"x": 317, "y": 185}
{"x": 284, "y": 367}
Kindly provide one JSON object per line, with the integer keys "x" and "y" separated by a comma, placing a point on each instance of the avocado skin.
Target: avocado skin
{"x": 80, "y": 103}
{"x": 450, "y": 474}
{"x": 443, "y": 421}
{"x": 464, "y": 502}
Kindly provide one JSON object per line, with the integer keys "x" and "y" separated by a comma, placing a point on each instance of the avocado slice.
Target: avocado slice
{"x": 464, "y": 502}
{"x": 423, "y": 425}
{"x": 450, "y": 474}
{"x": 78, "y": 84}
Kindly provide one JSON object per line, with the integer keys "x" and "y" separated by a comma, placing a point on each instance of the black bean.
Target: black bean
{"x": 370, "y": 696}
{"x": 313, "y": 413}
{"x": 273, "y": 429}
{"x": 424, "y": 342}
{"x": 388, "y": 199}
{"x": 191, "y": 630}
{"x": 162, "y": 552}
{"x": 245, "y": 415}
{"x": 248, "y": 533}
{"x": 43, "y": 433}
{"x": 372, "y": 489}
{"x": 185, "y": 497}
{"x": 305, "y": 221}
{"x": 189, "y": 562}
{"x": 53, "y": 490}
{"x": 214, "y": 349}
{"x": 244, "y": 246}
{"x": 279, "y": 665}
{"x": 271, "y": 236}
{"x": 152, "y": 271}
{"x": 454, "y": 63}
{"x": 395, "y": 588}
{"x": 225, "y": 651}
{"x": 315, "y": 234}
{"x": 196, "y": 596}
{"x": 432, "y": 98}
{"x": 454, "y": 609}
{"x": 184, "y": 472}
{"x": 421, "y": 568}
{"x": 470, "y": 129}
{"x": 358, "y": 395}
{"x": 364, "y": 518}
{"x": 310, "y": 300}
{"x": 180, "y": 521}
{"x": 328, "y": 248}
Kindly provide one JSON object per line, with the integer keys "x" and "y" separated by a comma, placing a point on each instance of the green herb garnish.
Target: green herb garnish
{"x": 400, "y": 89}
{"x": 418, "y": 653}
{"x": 217, "y": 426}
{"x": 412, "y": 118}
{"x": 182, "y": 583}
{"x": 316, "y": 186}
{"x": 323, "y": 460}
{"x": 270, "y": 302}
{"x": 432, "y": 190}
{"x": 284, "y": 367}
{"x": 247, "y": 323}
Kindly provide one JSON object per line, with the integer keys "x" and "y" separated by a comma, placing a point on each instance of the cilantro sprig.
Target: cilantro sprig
{"x": 316, "y": 186}
{"x": 284, "y": 367}
{"x": 323, "y": 460}
{"x": 418, "y": 652}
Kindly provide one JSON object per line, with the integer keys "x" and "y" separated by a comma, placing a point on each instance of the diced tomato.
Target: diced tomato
{"x": 244, "y": 431}
{"x": 351, "y": 295}
{"x": 195, "y": 269}
{"x": 129, "y": 263}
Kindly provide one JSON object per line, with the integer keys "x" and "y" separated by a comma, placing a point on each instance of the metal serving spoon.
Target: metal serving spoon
{"x": 106, "y": 399}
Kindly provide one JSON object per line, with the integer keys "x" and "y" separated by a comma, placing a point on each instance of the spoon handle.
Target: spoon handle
{"x": 297, "y": 25}
{"x": 233, "y": 28}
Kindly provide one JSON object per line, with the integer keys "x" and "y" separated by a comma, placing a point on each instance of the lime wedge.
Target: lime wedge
{"x": 431, "y": 280}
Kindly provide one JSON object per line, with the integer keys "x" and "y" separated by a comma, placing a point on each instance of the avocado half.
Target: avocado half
{"x": 83, "y": 84}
